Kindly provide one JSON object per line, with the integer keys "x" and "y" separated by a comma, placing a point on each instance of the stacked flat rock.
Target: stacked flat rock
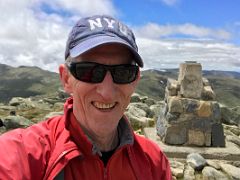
{"x": 191, "y": 115}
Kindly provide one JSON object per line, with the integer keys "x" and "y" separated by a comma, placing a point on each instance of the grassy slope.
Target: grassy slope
{"x": 26, "y": 81}
{"x": 226, "y": 85}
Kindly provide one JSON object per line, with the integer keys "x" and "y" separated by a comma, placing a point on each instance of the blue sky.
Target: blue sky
{"x": 214, "y": 14}
{"x": 168, "y": 32}
{"x": 210, "y": 13}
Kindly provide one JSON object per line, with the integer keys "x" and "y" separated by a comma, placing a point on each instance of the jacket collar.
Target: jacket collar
{"x": 84, "y": 142}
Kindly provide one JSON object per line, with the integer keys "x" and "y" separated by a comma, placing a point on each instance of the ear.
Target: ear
{"x": 139, "y": 74}
{"x": 65, "y": 78}
{"x": 135, "y": 83}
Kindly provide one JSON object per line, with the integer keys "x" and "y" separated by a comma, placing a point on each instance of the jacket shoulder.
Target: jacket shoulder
{"x": 157, "y": 160}
{"x": 149, "y": 147}
{"x": 29, "y": 150}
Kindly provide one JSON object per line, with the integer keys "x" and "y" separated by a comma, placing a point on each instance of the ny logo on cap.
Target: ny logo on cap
{"x": 110, "y": 23}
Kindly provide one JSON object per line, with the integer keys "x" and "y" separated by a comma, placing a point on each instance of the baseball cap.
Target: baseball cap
{"x": 90, "y": 32}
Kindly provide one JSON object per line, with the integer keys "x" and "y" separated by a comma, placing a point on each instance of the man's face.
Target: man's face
{"x": 99, "y": 107}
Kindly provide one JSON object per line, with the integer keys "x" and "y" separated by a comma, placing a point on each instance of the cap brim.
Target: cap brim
{"x": 100, "y": 40}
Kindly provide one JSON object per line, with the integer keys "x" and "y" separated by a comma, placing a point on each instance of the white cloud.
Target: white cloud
{"x": 86, "y": 7}
{"x": 162, "y": 54}
{"x": 30, "y": 36}
{"x": 153, "y": 30}
{"x": 26, "y": 40}
{"x": 162, "y": 46}
{"x": 170, "y": 2}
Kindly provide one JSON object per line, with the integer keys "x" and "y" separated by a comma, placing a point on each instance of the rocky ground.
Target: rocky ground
{"x": 142, "y": 112}
{"x": 195, "y": 167}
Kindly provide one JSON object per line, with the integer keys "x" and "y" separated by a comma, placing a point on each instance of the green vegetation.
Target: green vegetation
{"x": 226, "y": 85}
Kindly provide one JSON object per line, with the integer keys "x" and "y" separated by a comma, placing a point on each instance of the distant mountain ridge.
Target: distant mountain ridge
{"x": 226, "y": 84}
{"x": 27, "y": 81}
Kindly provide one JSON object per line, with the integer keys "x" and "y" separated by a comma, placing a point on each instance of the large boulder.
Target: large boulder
{"x": 231, "y": 170}
{"x": 149, "y": 101}
{"x": 156, "y": 108}
{"x": 177, "y": 168}
{"x": 138, "y": 117}
{"x": 230, "y": 116}
{"x": 135, "y": 98}
{"x": 190, "y": 80}
{"x": 52, "y": 100}
{"x": 52, "y": 114}
{"x": 139, "y": 122}
{"x": 234, "y": 139}
{"x": 199, "y": 138}
{"x": 175, "y": 105}
{"x": 210, "y": 173}
{"x": 22, "y": 103}
{"x": 190, "y": 105}
{"x": 205, "y": 109}
{"x": 12, "y": 122}
{"x": 143, "y": 107}
{"x": 218, "y": 139}
{"x": 2, "y": 130}
{"x": 16, "y": 101}
{"x": 196, "y": 161}
{"x": 172, "y": 87}
{"x": 7, "y": 108}
{"x": 208, "y": 93}
{"x": 233, "y": 129}
{"x": 136, "y": 111}
{"x": 176, "y": 135}
{"x": 214, "y": 164}
{"x": 189, "y": 173}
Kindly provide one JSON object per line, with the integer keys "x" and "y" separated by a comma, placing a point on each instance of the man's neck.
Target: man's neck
{"x": 107, "y": 143}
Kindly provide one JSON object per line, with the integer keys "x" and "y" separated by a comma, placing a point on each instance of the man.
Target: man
{"x": 93, "y": 139}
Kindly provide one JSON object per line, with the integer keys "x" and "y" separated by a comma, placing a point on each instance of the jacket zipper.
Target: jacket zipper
{"x": 64, "y": 153}
{"x": 105, "y": 173}
{"x": 105, "y": 168}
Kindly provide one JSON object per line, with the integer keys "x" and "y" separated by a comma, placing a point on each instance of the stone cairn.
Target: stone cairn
{"x": 190, "y": 116}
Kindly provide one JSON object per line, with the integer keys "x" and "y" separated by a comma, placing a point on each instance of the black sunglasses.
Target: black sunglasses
{"x": 92, "y": 72}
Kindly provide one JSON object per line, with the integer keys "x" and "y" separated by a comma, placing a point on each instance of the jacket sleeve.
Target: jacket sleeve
{"x": 24, "y": 153}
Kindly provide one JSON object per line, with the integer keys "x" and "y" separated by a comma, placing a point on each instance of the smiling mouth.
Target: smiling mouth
{"x": 103, "y": 106}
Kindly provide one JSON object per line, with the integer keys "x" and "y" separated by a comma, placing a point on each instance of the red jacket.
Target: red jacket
{"x": 43, "y": 150}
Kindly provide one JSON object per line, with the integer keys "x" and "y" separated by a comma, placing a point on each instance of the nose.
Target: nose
{"x": 107, "y": 88}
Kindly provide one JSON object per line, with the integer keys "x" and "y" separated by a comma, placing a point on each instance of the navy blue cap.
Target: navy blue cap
{"x": 94, "y": 31}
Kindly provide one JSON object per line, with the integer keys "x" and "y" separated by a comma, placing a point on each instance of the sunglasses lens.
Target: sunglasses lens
{"x": 123, "y": 74}
{"x": 89, "y": 72}
{"x": 98, "y": 74}
{"x": 95, "y": 73}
